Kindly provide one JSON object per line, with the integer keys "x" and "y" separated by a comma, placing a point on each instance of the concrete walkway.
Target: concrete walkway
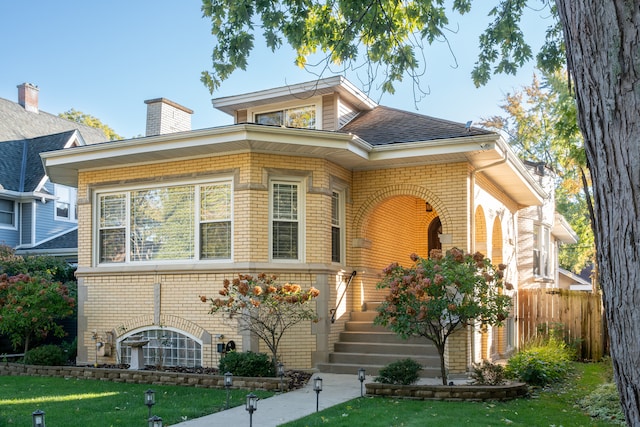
{"x": 290, "y": 406}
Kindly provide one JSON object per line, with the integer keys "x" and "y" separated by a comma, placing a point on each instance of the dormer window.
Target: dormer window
{"x": 299, "y": 117}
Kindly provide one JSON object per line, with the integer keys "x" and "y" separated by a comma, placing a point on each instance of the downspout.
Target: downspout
{"x": 472, "y": 237}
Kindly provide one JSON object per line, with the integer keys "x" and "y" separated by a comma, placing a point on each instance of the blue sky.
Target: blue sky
{"x": 106, "y": 58}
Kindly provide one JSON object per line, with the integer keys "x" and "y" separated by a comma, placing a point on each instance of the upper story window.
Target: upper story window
{"x": 541, "y": 251}
{"x": 298, "y": 117}
{"x": 66, "y": 203}
{"x": 337, "y": 226}
{"x": 286, "y": 220}
{"x": 179, "y": 222}
{"x": 7, "y": 213}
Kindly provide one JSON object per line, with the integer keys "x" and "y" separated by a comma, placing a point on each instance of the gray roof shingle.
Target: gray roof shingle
{"x": 21, "y": 169}
{"x": 385, "y": 125}
{"x": 16, "y": 123}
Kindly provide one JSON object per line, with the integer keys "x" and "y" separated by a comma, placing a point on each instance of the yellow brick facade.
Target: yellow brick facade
{"x": 386, "y": 221}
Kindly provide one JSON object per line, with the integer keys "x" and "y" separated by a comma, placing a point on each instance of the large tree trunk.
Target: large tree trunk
{"x": 603, "y": 52}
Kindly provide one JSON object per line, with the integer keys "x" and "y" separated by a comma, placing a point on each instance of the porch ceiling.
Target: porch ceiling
{"x": 348, "y": 151}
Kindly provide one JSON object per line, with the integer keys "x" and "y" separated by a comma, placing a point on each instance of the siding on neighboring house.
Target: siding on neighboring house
{"x": 27, "y": 217}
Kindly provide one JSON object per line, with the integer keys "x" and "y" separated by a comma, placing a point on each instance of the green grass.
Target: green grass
{"x": 550, "y": 407}
{"x": 82, "y": 403}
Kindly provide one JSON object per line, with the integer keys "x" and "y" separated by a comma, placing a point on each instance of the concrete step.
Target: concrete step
{"x": 386, "y": 337}
{"x": 363, "y": 316}
{"x": 402, "y": 349}
{"x": 371, "y": 370}
{"x": 380, "y": 359}
{"x": 363, "y": 326}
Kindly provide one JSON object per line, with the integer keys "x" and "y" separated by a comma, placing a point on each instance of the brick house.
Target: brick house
{"x": 36, "y": 215}
{"x": 313, "y": 182}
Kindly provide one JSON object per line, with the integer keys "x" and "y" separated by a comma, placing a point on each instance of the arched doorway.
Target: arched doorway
{"x": 433, "y": 235}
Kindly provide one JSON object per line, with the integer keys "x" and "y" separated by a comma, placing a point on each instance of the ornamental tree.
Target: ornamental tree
{"x": 263, "y": 307}
{"x": 441, "y": 294}
{"x": 30, "y": 308}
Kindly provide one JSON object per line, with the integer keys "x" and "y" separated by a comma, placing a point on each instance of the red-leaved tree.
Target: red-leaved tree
{"x": 30, "y": 308}
{"x": 264, "y": 308}
{"x": 439, "y": 295}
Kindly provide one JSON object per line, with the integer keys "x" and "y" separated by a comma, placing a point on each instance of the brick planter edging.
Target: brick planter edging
{"x": 139, "y": 377}
{"x": 444, "y": 392}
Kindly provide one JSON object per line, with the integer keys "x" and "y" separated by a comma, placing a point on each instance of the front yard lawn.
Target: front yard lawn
{"x": 82, "y": 403}
{"x": 551, "y": 407}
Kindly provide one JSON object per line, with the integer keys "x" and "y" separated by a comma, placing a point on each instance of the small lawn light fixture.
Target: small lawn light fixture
{"x": 317, "y": 387}
{"x": 228, "y": 382}
{"x": 252, "y": 406}
{"x": 149, "y": 400}
{"x": 38, "y": 418}
{"x": 362, "y": 375}
{"x": 281, "y": 374}
{"x": 155, "y": 421}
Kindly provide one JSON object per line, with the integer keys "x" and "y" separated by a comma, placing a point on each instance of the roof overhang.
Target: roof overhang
{"x": 484, "y": 152}
{"x": 563, "y": 231}
{"x": 296, "y": 92}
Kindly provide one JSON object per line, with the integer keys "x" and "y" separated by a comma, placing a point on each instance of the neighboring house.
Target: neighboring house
{"x": 312, "y": 182}
{"x": 37, "y": 216}
{"x": 542, "y": 230}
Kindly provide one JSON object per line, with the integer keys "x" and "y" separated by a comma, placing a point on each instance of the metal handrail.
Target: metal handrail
{"x": 333, "y": 311}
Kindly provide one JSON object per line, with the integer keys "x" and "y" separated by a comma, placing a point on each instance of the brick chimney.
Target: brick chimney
{"x": 28, "y": 96}
{"x": 165, "y": 116}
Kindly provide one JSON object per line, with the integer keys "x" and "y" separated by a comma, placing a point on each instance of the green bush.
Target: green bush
{"x": 541, "y": 364}
{"x": 247, "y": 364}
{"x": 70, "y": 348}
{"x": 487, "y": 373}
{"x": 604, "y": 403}
{"x": 46, "y": 355}
{"x": 404, "y": 372}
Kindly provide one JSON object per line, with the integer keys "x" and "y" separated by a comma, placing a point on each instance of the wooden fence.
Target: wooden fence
{"x": 580, "y": 314}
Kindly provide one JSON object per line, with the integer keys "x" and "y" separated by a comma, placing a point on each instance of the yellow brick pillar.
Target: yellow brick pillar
{"x": 456, "y": 352}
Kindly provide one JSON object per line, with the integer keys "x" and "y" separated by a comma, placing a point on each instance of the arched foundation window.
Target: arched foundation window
{"x": 166, "y": 347}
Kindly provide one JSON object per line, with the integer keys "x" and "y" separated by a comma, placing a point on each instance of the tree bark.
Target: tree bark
{"x": 603, "y": 56}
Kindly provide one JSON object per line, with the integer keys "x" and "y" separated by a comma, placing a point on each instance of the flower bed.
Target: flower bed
{"x": 140, "y": 376}
{"x": 454, "y": 392}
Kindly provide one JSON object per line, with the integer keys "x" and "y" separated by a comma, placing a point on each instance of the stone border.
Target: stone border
{"x": 454, "y": 393}
{"x": 140, "y": 377}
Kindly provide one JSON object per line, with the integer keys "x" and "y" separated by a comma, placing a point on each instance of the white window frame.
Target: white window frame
{"x": 14, "y": 215}
{"x": 120, "y": 348}
{"x": 339, "y": 224}
{"x": 315, "y": 102}
{"x": 196, "y": 230}
{"x": 300, "y": 185}
{"x": 72, "y": 201}
{"x": 542, "y": 249}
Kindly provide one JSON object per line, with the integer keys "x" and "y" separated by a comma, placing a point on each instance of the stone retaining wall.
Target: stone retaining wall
{"x": 139, "y": 377}
{"x": 443, "y": 392}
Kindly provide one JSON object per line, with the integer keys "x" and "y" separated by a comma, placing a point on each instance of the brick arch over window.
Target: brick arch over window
{"x": 165, "y": 320}
{"x": 360, "y": 220}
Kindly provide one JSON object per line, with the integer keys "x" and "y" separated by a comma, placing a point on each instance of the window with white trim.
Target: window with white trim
{"x": 296, "y": 117}
{"x": 66, "y": 203}
{"x": 7, "y": 213}
{"x": 541, "y": 251}
{"x": 286, "y": 217}
{"x": 166, "y": 347}
{"x": 337, "y": 226}
{"x": 179, "y": 222}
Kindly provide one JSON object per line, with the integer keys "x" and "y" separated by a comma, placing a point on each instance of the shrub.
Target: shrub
{"x": 541, "y": 364}
{"x": 404, "y": 372}
{"x": 70, "y": 348}
{"x": 488, "y": 373}
{"x": 604, "y": 403}
{"x": 47, "y": 355}
{"x": 247, "y": 364}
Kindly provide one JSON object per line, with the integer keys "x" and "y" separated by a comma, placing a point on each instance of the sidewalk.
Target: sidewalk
{"x": 290, "y": 406}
